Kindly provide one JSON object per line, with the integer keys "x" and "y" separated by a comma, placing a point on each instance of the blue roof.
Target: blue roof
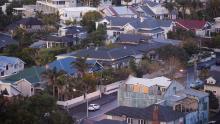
{"x": 4, "y": 60}
{"x": 67, "y": 66}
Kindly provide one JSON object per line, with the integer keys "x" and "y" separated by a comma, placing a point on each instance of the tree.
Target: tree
{"x": 133, "y": 66}
{"x": 38, "y": 109}
{"x": 190, "y": 47}
{"x": 52, "y": 76}
{"x": 213, "y": 101}
{"x": 98, "y": 36}
{"x": 81, "y": 65}
{"x": 216, "y": 42}
{"x": 169, "y": 51}
{"x": 89, "y": 19}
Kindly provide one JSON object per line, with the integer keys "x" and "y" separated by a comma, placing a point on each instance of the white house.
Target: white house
{"x": 216, "y": 26}
{"x": 74, "y": 13}
{"x": 53, "y": 6}
{"x": 147, "y": 26}
{"x": 10, "y": 66}
{"x": 21, "y": 87}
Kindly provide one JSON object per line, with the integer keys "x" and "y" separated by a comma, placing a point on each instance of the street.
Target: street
{"x": 107, "y": 102}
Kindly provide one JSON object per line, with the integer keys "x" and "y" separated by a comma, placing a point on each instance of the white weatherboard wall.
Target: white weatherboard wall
{"x": 79, "y": 100}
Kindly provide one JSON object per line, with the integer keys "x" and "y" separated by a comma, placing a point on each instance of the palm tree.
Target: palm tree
{"x": 51, "y": 77}
{"x": 81, "y": 65}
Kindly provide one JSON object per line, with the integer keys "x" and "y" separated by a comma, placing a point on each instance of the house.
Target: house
{"x": 144, "y": 92}
{"x": 30, "y": 24}
{"x": 199, "y": 27}
{"x": 6, "y": 40}
{"x": 66, "y": 37}
{"x": 153, "y": 114}
{"x": 25, "y": 11}
{"x": 59, "y": 41}
{"x": 53, "y": 6}
{"x": 130, "y": 39}
{"x": 26, "y": 83}
{"x": 75, "y": 31}
{"x": 67, "y": 66}
{"x": 74, "y": 13}
{"x": 10, "y": 66}
{"x": 212, "y": 83}
{"x": 156, "y": 10}
{"x": 118, "y": 11}
{"x": 117, "y": 57}
{"x": 147, "y": 26}
{"x": 216, "y": 26}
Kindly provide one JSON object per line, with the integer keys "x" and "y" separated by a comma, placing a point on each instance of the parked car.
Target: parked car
{"x": 93, "y": 107}
{"x": 196, "y": 84}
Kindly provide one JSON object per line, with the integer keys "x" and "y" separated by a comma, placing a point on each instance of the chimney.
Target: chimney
{"x": 156, "y": 115}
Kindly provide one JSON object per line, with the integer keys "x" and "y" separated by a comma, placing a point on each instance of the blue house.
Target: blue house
{"x": 67, "y": 66}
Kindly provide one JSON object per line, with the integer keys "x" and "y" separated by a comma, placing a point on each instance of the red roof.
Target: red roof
{"x": 190, "y": 24}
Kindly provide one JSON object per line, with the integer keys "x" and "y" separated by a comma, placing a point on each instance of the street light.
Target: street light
{"x": 87, "y": 103}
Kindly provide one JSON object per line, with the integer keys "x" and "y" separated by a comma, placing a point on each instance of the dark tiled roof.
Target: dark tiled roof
{"x": 147, "y": 10}
{"x": 6, "y": 40}
{"x": 120, "y": 21}
{"x": 166, "y": 113}
{"x": 31, "y": 74}
{"x": 60, "y": 39}
{"x": 25, "y": 21}
{"x": 74, "y": 29}
{"x": 105, "y": 53}
{"x": 67, "y": 66}
{"x": 131, "y": 38}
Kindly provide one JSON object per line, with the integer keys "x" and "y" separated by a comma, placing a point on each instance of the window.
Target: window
{"x": 2, "y": 73}
{"x": 6, "y": 67}
{"x": 129, "y": 120}
{"x": 141, "y": 121}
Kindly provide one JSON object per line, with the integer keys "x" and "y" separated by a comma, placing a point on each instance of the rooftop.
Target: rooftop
{"x": 161, "y": 81}
{"x": 6, "y": 40}
{"x": 147, "y": 113}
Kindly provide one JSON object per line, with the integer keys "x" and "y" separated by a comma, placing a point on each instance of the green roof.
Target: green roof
{"x": 31, "y": 74}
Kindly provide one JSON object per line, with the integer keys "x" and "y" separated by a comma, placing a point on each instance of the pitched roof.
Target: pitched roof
{"x": 137, "y": 23}
{"x": 216, "y": 75}
{"x": 147, "y": 10}
{"x": 25, "y": 21}
{"x": 192, "y": 92}
{"x": 151, "y": 3}
{"x": 6, "y": 40}
{"x": 63, "y": 39}
{"x": 4, "y": 60}
{"x": 190, "y": 24}
{"x": 31, "y": 74}
{"x": 161, "y": 81}
{"x": 147, "y": 113}
{"x": 67, "y": 66}
{"x": 74, "y": 29}
{"x": 131, "y": 38}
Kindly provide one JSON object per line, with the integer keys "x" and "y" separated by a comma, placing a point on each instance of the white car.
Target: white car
{"x": 93, "y": 107}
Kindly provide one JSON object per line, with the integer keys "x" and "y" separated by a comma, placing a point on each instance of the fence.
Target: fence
{"x": 79, "y": 100}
